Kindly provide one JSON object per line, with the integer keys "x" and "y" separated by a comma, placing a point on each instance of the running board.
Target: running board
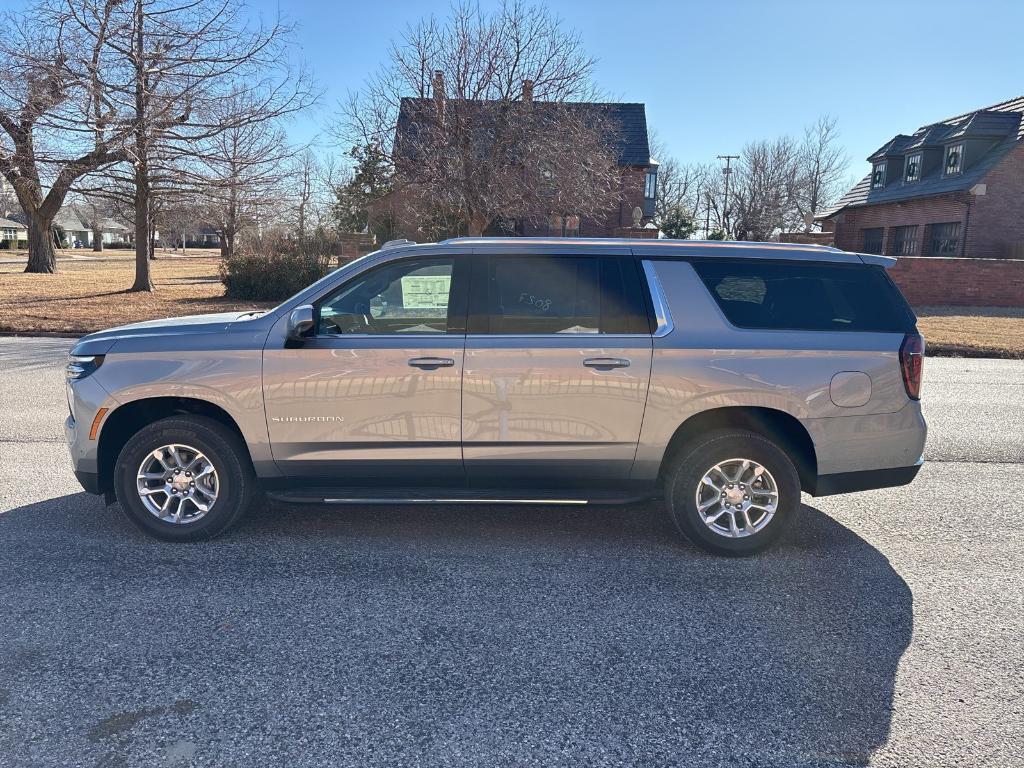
{"x": 377, "y": 496}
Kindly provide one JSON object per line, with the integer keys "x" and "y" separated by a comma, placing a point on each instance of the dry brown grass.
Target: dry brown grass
{"x": 974, "y": 332}
{"x": 86, "y": 296}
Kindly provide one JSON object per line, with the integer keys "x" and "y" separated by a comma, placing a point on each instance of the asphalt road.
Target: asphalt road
{"x": 887, "y": 629}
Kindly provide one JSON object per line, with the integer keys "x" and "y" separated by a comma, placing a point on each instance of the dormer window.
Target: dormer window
{"x": 954, "y": 160}
{"x": 913, "y": 167}
{"x": 878, "y": 176}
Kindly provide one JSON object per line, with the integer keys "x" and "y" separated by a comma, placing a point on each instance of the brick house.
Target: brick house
{"x": 630, "y": 145}
{"x": 954, "y": 188}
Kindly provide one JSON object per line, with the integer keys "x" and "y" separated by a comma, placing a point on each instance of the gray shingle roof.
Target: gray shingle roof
{"x": 11, "y": 224}
{"x": 630, "y": 140}
{"x": 1003, "y": 119}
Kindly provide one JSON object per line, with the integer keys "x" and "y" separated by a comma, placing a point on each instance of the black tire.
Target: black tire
{"x": 236, "y": 480}
{"x": 689, "y": 465}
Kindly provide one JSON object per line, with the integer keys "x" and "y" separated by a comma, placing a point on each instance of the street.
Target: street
{"x": 886, "y": 629}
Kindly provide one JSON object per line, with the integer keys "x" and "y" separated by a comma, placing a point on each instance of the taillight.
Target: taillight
{"x": 912, "y": 364}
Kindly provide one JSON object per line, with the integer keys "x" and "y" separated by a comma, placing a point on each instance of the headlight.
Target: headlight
{"x": 80, "y": 366}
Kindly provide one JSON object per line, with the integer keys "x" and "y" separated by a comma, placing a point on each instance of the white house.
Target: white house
{"x": 76, "y": 231}
{"x": 11, "y": 232}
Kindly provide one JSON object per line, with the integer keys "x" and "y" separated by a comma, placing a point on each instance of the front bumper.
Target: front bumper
{"x": 85, "y": 398}
{"x": 90, "y": 481}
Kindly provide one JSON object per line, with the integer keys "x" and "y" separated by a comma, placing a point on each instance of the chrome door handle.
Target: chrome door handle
{"x": 606, "y": 362}
{"x": 431, "y": 363}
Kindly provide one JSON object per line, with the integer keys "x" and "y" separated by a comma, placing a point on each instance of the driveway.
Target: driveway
{"x": 886, "y": 629}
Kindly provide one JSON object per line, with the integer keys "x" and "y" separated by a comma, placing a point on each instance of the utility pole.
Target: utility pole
{"x": 727, "y": 171}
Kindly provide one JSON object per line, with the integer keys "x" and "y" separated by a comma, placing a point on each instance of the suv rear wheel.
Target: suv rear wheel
{"x": 184, "y": 478}
{"x": 732, "y": 492}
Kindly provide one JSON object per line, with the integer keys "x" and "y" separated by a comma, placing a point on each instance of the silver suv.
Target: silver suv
{"x": 726, "y": 377}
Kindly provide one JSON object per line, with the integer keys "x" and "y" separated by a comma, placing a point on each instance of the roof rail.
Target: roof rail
{"x": 396, "y": 243}
{"x": 627, "y": 242}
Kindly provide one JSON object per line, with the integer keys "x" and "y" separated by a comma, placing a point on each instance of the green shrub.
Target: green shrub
{"x": 274, "y": 271}
{"x": 23, "y": 244}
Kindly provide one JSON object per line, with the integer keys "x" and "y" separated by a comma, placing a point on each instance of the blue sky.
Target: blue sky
{"x": 717, "y": 74}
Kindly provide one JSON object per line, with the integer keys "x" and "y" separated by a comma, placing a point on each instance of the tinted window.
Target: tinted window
{"x": 403, "y": 297}
{"x": 811, "y": 297}
{"x": 558, "y": 294}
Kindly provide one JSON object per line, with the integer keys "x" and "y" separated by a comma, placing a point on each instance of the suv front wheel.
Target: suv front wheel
{"x": 732, "y": 492}
{"x": 184, "y": 478}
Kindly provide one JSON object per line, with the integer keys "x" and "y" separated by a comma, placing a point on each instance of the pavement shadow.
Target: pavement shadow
{"x": 465, "y": 636}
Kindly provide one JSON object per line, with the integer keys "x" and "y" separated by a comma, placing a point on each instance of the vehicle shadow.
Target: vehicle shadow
{"x": 474, "y": 636}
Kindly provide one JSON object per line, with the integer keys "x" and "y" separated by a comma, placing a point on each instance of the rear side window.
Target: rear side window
{"x": 806, "y": 297}
{"x": 531, "y": 295}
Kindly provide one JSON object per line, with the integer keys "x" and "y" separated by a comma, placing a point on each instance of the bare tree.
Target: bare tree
{"x": 491, "y": 127}
{"x": 764, "y": 189}
{"x": 166, "y": 66}
{"x": 821, "y": 169}
{"x": 93, "y": 211}
{"x": 57, "y": 122}
{"x": 241, "y": 172}
{"x": 680, "y": 192}
{"x": 180, "y": 220}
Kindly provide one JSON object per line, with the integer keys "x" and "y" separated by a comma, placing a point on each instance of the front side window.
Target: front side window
{"x": 530, "y": 295}
{"x": 954, "y": 159}
{"x": 811, "y": 297}
{"x": 904, "y": 241}
{"x": 650, "y": 184}
{"x": 873, "y": 240}
{"x": 913, "y": 170}
{"x": 945, "y": 239}
{"x": 878, "y": 176}
{"x": 407, "y": 297}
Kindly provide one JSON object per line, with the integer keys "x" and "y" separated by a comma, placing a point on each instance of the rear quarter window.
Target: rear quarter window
{"x": 806, "y": 297}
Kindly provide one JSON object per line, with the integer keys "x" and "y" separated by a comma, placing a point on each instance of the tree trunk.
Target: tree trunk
{"x": 41, "y": 257}
{"x": 152, "y": 239}
{"x": 143, "y": 280}
{"x": 97, "y": 239}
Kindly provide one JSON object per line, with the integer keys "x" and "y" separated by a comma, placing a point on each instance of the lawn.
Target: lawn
{"x": 973, "y": 331}
{"x": 87, "y": 295}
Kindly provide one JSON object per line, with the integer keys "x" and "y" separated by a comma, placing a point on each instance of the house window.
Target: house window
{"x": 904, "y": 241}
{"x": 913, "y": 168}
{"x": 873, "y": 240}
{"x": 945, "y": 239}
{"x": 954, "y": 159}
{"x": 650, "y": 184}
{"x": 878, "y": 176}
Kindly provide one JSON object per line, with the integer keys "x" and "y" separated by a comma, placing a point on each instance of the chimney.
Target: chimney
{"x": 439, "y": 96}
{"x": 528, "y": 91}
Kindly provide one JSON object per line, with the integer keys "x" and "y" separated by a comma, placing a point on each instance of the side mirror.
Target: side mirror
{"x": 300, "y": 323}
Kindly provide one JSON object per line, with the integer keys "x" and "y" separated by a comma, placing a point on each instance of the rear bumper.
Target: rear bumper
{"x": 865, "y": 480}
